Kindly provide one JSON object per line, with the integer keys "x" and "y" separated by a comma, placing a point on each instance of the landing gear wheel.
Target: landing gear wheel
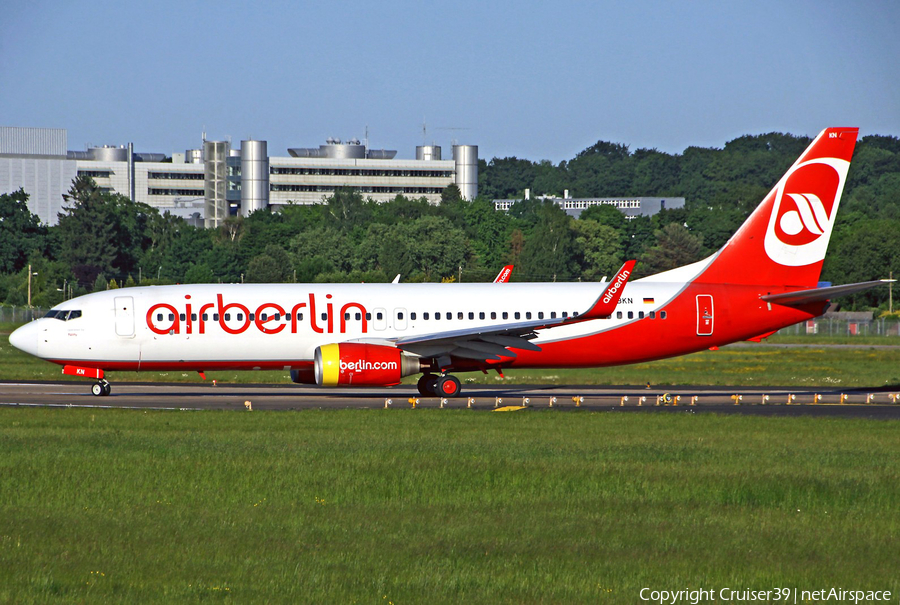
{"x": 448, "y": 386}
{"x": 101, "y": 389}
{"x": 427, "y": 385}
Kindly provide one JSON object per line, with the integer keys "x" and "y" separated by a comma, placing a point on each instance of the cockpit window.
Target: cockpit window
{"x": 63, "y": 314}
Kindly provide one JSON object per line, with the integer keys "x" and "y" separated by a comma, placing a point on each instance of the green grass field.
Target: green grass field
{"x": 754, "y": 365}
{"x": 438, "y": 506}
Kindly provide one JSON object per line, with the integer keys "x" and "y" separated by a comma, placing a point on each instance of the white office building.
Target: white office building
{"x": 209, "y": 184}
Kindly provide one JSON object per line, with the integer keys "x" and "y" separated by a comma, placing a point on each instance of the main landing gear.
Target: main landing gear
{"x": 430, "y": 385}
{"x": 102, "y": 388}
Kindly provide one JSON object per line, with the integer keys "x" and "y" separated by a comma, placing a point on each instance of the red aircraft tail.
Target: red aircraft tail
{"x": 783, "y": 242}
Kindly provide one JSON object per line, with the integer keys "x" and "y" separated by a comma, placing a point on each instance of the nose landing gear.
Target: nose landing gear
{"x": 102, "y": 388}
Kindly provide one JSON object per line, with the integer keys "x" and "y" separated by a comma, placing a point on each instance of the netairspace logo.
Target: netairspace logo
{"x": 772, "y": 595}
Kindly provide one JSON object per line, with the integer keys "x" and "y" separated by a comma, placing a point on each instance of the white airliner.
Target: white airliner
{"x": 763, "y": 279}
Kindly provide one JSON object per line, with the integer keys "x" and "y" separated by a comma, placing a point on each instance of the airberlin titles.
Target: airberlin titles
{"x": 267, "y": 318}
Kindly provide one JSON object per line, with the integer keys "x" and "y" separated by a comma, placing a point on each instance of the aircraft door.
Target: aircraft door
{"x": 705, "y": 316}
{"x": 400, "y": 319}
{"x": 124, "y": 316}
{"x": 380, "y": 322}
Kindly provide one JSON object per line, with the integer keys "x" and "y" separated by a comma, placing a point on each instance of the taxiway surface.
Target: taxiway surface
{"x": 863, "y": 403}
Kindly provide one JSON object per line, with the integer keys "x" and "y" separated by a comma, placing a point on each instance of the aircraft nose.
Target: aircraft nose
{"x": 26, "y": 338}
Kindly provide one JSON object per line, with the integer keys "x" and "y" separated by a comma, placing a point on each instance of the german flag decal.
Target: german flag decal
{"x": 648, "y": 301}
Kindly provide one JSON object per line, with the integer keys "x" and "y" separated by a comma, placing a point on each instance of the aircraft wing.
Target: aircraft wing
{"x": 486, "y": 343}
{"x": 801, "y": 297}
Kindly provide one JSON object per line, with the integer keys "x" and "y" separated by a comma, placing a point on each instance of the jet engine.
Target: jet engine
{"x": 358, "y": 364}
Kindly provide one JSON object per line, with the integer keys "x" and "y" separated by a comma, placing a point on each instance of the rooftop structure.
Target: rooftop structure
{"x": 217, "y": 181}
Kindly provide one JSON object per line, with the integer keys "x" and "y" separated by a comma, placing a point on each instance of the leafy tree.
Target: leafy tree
{"x": 273, "y": 266}
{"x": 675, "y": 246}
{"x": 604, "y": 214}
{"x": 548, "y": 253}
{"x": 199, "y": 273}
{"x": 600, "y": 247}
{"x": 101, "y": 232}
{"x": 21, "y": 232}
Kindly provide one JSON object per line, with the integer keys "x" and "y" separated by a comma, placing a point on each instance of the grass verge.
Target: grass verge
{"x": 436, "y": 506}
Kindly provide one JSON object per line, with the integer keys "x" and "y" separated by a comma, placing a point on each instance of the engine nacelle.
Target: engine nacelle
{"x": 357, "y": 364}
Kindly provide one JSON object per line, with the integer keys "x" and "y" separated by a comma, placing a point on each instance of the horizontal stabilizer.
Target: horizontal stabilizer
{"x": 801, "y": 297}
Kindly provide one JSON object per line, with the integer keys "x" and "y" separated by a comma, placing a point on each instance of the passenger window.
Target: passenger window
{"x": 227, "y": 316}
{"x": 205, "y": 317}
{"x": 565, "y": 314}
{"x": 299, "y": 316}
{"x": 527, "y": 314}
{"x": 471, "y": 315}
{"x": 437, "y": 316}
{"x": 159, "y": 317}
{"x": 171, "y": 317}
{"x": 346, "y": 317}
{"x": 425, "y": 315}
{"x": 505, "y": 315}
{"x": 358, "y": 316}
{"x": 575, "y": 314}
{"x": 215, "y": 317}
{"x": 278, "y": 317}
{"x": 459, "y": 315}
{"x": 640, "y": 315}
{"x": 652, "y": 314}
{"x": 481, "y": 315}
{"x": 412, "y": 315}
{"x": 518, "y": 315}
{"x": 493, "y": 315}
{"x": 450, "y": 315}
{"x": 618, "y": 315}
{"x": 240, "y": 317}
{"x": 662, "y": 314}
{"x": 324, "y": 317}
{"x": 193, "y": 317}
{"x": 552, "y": 314}
{"x": 399, "y": 315}
{"x": 631, "y": 315}
{"x": 378, "y": 316}
{"x": 252, "y": 316}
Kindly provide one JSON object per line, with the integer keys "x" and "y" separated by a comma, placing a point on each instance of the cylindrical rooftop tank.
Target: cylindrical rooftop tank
{"x": 254, "y": 176}
{"x": 466, "y": 158}
{"x": 428, "y": 152}
{"x": 342, "y": 151}
{"x": 193, "y": 156}
{"x": 109, "y": 154}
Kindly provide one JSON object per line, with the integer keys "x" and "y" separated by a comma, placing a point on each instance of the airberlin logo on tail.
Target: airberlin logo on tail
{"x": 621, "y": 278}
{"x": 806, "y": 202}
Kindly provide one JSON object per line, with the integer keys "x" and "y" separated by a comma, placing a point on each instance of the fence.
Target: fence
{"x": 20, "y": 315}
{"x": 843, "y": 327}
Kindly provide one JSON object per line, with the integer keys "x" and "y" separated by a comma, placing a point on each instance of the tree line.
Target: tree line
{"x": 105, "y": 240}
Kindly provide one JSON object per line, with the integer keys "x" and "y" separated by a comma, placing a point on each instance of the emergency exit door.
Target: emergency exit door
{"x": 124, "y": 316}
{"x": 705, "y": 315}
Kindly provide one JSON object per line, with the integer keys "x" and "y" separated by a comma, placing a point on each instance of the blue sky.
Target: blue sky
{"x": 536, "y": 80}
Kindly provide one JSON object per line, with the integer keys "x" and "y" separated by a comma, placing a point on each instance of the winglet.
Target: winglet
{"x": 503, "y": 276}
{"x": 606, "y": 302}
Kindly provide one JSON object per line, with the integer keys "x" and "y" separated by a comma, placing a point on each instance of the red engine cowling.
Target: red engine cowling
{"x": 357, "y": 364}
